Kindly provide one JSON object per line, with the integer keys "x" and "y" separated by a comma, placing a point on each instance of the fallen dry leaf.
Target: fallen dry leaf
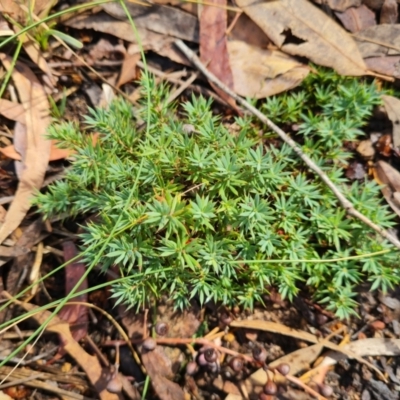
{"x": 89, "y": 364}
{"x": 261, "y": 73}
{"x": 392, "y": 107}
{"x": 168, "y": 21}
{"x": 389, "y": 66}
{"x": 275, "y": 327}
{"x": 36, "y": 106}
{"x": 339, "y": 5}
{"x": 157, "y": 42}
{"x": 213, "y": 45}
{"x": 379, "y": 40}
{"x": 300, "y": 359}
{"x": 128, "y": 69}
{"x": 75, "y": 314}
{"x": 366, "y": 149}
{"x": 249, "y": 32}
{"x": 356, "y": 19}
{"x": 34, "y": 52}
{"x": 287, "y": 24}
{"x": 365, "y": 348}
{"x": 388, "y": 176}
{"x": 13, "y": 8}
{"x": 105, "y": 49}
{"x": 389, "y": 12}
{"x": 373, "y": 4}
{"x": 11, "y": 110}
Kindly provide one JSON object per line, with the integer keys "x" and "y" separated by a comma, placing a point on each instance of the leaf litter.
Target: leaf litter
{"x": 252, "y": 67}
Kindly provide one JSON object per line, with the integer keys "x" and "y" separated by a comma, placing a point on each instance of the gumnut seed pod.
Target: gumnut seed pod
{"x": 259, "y": 354}
{"x": 210, "y": 354}
{"x": 326, "y": 390}
{"x": 236, "y": 363}
{"x": 270, "y": 387}
{"x": 161, "y": 328}
{"x": 283, "y": 369}
{"x": 149, "y": 344}
{"x": 202, "y": 360}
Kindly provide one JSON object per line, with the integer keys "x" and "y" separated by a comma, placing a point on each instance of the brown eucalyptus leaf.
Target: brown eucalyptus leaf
{"x": 128, "y": 69}
{"x": 261, "y": 73}
{"x": 275, "y": 327}
{"x": 324, "y": 42}
{"x": 246, "y": 30}
{"x": 75, "y": 314}
{"x": 374, "y": 4}
{"x": 389, "y": 12}
{"x": 39, "y": 7}
{"x": 379, "y": 40}
{"x": 11, "y": 110}
{"x": 34, "y": 100}
{"x": 392, "y": 106}
{"x": 339, "y": 5}
{"x": 102, "y": 22}
{"x": 389, "y": 65}
{"x": 390, "y": 175}
{"x": 213, "y": 44}
{"x": 386, "y": 175}
{"x": 356, "y": 19}
{"x": 34, "y": 52}
{"x": 300, "y": 359}
{"x": 168, "y": 21}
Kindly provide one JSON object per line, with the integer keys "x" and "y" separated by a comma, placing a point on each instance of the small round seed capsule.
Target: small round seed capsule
{"x": 326, "y": 390}
{"x": 236, "y": 363}
{"x": 283, "y": 369}
{"x": 114, "y": 385}
{"x": 210, "y": 355}
{"x": 270, "y": 388}
{"x": 259, "y": 354}
{"x": 161, "y": 328}
{"x": 201, "y": 360}
{"x": 149, "y": 344}
{"x": 191, "y": 368}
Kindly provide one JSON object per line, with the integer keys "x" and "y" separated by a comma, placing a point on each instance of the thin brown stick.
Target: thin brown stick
{"x": 346, "y": 204}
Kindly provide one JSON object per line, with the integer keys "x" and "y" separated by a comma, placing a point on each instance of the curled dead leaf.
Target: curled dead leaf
{"x": 261, "y": 73}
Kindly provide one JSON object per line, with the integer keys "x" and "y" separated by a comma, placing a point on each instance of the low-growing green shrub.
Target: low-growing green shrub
{"x": 223, "y": 211}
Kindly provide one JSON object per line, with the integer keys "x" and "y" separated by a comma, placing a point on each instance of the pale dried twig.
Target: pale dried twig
{"x": 346, "y": 204}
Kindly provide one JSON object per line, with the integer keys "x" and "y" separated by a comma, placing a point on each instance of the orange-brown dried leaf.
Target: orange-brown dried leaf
{"x": 261, "y": 73}
{"x": 75, "y": 314}
{"x": 287, "y": 24}
{"x": 36, "y": 106}
{"x": 213, "y": 44}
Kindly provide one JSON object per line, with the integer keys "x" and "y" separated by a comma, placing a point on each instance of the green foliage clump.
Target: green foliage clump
{"x": 218, "y": 212}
